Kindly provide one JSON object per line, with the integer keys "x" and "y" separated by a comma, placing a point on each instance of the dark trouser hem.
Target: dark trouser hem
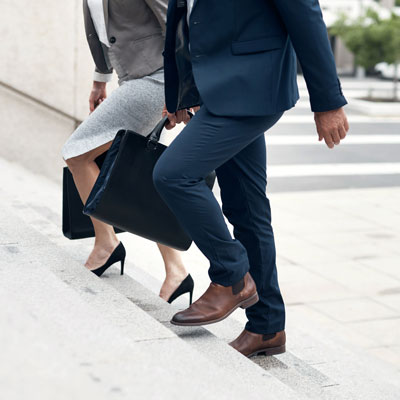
{"x": 230, "y": 277}
{"x": 266, "y": 329}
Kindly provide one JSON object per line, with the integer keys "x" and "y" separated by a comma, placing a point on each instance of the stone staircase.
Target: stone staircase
{"x": 67, "y": 334}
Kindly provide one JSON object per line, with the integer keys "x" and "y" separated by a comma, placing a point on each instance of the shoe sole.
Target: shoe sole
{"x": 269, "y": 351}
{"x": 244, "y": 304}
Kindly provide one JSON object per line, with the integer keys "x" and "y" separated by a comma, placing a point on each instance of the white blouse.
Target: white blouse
{"x": 97, "y": 13}
{"x": 99, "y": 22}
{"x": 189, "y": 9}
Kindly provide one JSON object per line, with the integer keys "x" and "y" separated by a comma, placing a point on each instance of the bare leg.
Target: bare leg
{"x": 175, "y": 271}
{"x": 85, "y": 172}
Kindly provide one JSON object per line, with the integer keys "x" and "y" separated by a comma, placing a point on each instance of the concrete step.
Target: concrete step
{"x": 317, "y": 365}
{"x": 69, "y": 334}
{"x": 46, "y": 270}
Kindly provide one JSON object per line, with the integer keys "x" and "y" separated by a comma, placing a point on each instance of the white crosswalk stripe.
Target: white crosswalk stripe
{"x": 339, "y": 169}
{"x": 302, "y": 140}
{"x": 353, "y": 119}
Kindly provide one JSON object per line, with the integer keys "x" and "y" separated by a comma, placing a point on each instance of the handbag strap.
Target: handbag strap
{"x": 155, "y": 134}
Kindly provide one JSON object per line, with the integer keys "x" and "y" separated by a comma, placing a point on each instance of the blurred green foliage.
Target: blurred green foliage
{"x": 370, "y": 38}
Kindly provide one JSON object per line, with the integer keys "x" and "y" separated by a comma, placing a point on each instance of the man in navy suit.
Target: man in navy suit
{"x": 237, "y": 59}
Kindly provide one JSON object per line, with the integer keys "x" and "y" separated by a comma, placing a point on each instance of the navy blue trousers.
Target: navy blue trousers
{"x": 235, "y": 148}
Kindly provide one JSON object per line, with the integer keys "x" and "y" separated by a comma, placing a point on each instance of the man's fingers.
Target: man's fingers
{"x": 346, "y": 124}
{"x": 186, "y": 118}
{"x": 169, "y": 125}
{"x": 178, "y": 116}
{"x": 335, "y": 137}
{"x": 172, "y": 121}
{"x": 181, "y": 116}
{"x": 195, "y": 109}
{"x": 329, "y": 141}
{"x": 175, "y": 118}
{"x": 342, "y": 132}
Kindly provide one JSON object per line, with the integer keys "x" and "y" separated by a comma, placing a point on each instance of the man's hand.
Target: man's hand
{"x": 97, "y": 95}
{"x": 175, "y": 118}
{"x": 331, "y": 126}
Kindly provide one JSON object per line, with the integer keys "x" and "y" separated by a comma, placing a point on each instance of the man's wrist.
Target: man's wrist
{"x": 328, "y": 111}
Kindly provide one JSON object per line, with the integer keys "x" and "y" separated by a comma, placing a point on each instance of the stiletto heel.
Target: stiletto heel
{"x": 186, "y": 286}
{"x": 190, "y": 298}
{"x": 117, "y": 255}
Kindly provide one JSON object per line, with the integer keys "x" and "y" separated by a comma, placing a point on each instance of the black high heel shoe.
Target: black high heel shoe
{"x": 117, "y": 255}
{"x": 186, "y": 286}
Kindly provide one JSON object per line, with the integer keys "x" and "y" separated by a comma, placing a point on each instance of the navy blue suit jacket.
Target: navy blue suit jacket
{"x": 243, "y": 56}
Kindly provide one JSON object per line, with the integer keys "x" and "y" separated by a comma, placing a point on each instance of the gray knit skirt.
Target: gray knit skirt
{"x": 136, "y": 105}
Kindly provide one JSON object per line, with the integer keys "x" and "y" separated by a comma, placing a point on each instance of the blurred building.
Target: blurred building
{"x": 352, "y": 8}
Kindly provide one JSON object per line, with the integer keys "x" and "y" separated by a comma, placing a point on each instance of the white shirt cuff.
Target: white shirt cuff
{"x": 98, "y": 77}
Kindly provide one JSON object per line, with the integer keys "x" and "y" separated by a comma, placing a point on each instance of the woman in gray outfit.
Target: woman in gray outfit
{"x": 128, "y": 37}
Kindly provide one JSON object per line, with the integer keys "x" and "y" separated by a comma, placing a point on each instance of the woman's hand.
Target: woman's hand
{"x": 97, "y": 95}
{"x": 177, "y": 117}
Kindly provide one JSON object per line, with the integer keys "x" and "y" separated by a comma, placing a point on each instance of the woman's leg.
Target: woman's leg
{"x": 175, "y": 271}
{"x": 140, "y": 113}
{"x": 85, "y": 172}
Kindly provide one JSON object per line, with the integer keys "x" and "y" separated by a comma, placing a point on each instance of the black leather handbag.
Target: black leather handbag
{"x": 76, "y": 225}
{"x": 124, "y": 194}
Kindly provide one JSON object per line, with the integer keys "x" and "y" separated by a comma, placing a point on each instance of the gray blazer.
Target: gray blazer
{"x": 136, "y": 30}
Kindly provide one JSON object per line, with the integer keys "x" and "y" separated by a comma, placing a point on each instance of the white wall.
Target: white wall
{"x": 44, "y": 51}
{"x": 44, "y": 55}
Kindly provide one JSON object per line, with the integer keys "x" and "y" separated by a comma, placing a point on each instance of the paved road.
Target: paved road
{"x": 369, "y": 158}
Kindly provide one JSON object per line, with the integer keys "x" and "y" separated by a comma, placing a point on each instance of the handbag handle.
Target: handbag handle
{"x": 155, "y": 134}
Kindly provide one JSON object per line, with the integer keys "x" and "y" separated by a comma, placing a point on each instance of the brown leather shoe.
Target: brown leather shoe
{"x": 252, "y": 344}
{"x": 218, "y": 302}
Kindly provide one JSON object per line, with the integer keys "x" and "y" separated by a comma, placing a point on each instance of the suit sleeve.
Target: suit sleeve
{"x": 309, "y": 36}
{"x": 159, "y": 8}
